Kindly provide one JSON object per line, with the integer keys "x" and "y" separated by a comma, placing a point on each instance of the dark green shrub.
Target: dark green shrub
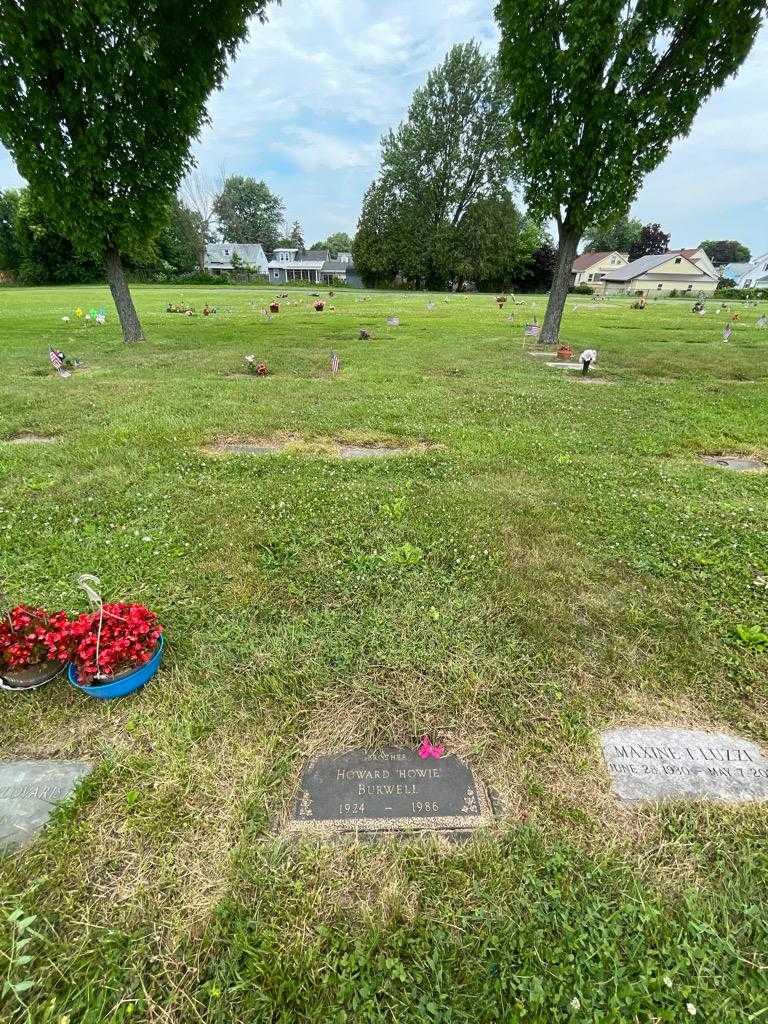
{"x": 741, "y": 293}
{"x": 200, "y": 277}
{"x": 582, "y": 289}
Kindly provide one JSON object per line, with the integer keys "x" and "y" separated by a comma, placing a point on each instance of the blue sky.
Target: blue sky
{"x": 311, "y": 93}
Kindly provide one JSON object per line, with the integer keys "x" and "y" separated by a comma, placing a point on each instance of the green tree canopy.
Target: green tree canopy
{"x": 619, "y": 236}
{"x": 9, "y": 250}
{"x": 723, "y": 252}
{"x": 297, "y": 237}
{"x": 99, "y": 100}
{"x": 338, "y": 242}
{"x": 598, "y": 91}
{"x": 177, "y": 243}
{"x": 37, "y": 252}
{"x": 249, "y": 212}
{"x": 450, "y": 153}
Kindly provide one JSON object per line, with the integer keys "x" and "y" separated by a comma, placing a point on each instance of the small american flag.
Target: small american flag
{"x": 335, "y": 362}
{"x": 531, "y": 330}
{"x": 58, "y": 363}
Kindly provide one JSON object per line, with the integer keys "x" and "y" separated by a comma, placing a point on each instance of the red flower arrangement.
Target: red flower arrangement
{"x": 124, "y": 637}
{"x": 33, "y": 636}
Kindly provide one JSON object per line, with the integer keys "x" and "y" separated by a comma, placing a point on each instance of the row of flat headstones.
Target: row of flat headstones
{"x": 740, "y": 463}
{"x": 394, "y": 790}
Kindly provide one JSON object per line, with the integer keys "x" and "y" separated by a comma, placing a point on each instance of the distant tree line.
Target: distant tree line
{"x": 33, "y": 251}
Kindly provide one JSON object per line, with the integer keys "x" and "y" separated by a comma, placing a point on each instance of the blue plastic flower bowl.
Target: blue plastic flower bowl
{"x": 135, "y": 681}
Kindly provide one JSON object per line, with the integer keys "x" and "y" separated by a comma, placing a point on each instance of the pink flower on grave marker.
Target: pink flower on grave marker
{"x": 428, "y": 749}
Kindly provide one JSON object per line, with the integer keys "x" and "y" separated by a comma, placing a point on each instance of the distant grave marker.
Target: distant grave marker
{"x": 562, "y": 365}
{"x": 653, "y": 764}
{"x": 351, "y": 451}
{"x": 27, "y": 437}
{"x": 390, "y": 790}
{"x": 29, "y": 791}
{"x": 739, "y": 463}
{"x": 246, "y": 447}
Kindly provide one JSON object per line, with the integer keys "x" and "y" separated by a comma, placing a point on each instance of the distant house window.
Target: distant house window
{"x": 659, "y": 285}
{"x": 748, "y": 283}
{"x": 765, "y": 267}
{"x": 599, "y": 277}
{"x": 689, "y": 288}
{"x": 679, "y": 259}
{"x": 589, "y": 278}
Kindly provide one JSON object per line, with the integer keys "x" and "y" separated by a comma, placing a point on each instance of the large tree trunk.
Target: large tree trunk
{"x": 121, "y": 293}
{"x": 568, "y": 241}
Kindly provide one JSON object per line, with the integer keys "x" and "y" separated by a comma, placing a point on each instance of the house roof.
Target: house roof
{"x": 589, "y": 259}
{"x": 648, "y": 263}
{"x": 222, "y": 252}
{"x": 316, "y": 254}
{"x": 735, "y": 270}
{"x": 336, "y": 267}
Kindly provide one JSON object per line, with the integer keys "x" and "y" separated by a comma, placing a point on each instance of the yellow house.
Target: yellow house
{"x": 591, "y": 267}
{"x": 659, "y": 275}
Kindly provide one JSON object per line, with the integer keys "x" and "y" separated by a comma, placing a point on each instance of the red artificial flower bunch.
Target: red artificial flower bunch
{"x": 31, "y": 636}
{"x": 128, "y": 638}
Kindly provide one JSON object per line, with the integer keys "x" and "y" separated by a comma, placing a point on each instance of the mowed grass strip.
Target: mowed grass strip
{"x": 543, "y": 560}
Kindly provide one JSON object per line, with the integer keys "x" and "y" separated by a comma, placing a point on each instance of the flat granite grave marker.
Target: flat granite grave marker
{"x": 656, "y": 764}
{"x": 29, "y": 791}
{"x": 388, "y": 790}
{"x": 741, "y": 463}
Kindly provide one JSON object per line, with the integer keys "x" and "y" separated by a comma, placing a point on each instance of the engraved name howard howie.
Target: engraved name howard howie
{"x": 383, "y": 782}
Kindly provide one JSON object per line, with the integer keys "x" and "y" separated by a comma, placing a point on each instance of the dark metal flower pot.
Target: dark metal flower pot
{"x": 32, "y": 678}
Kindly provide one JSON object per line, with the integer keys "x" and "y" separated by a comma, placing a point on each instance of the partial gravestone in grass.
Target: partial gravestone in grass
{"x": 739, "y": 463}
{"x": 371, "y": 451}
{"x": 392, "y": 790}
{"x": 29, "y": 792}
{"x": 27, "y": 437}
{"x": 655, "y": 764}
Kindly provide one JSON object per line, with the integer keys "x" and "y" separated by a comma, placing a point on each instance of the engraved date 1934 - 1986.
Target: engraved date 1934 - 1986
{"x": 417, "y": 807}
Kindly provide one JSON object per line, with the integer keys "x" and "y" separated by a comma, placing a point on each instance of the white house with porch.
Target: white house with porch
{"x": 315, "y": 266}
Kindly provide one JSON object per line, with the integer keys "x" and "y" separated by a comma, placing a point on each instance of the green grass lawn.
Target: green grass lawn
{"x": 550, "y": 560}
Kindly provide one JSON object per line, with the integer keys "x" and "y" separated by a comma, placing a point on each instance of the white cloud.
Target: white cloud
{"x": 314, "y": 150}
